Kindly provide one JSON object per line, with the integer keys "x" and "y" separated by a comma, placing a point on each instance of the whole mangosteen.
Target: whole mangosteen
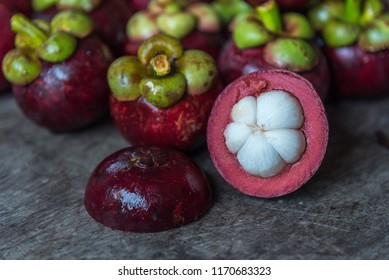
{"x": 356, "y": 37}
{"x": 266, "y": 40}
{"x": 58, "y": 71}
{"x": 7, "y": 40}
{"x": 147, "y": 189}
{"x": 163, "y": 97}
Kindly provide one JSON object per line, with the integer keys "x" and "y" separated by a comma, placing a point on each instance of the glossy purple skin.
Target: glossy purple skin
{"x": 234, "y": 63}
{"x": 147, "y": 189}
{"x": 211, "y": 43}
{"x": 6, "y": 41}
{"x": 181, "y": 126}
{"x": 110, "y": 19}
{"x": 359, "y": 74}
{"x": 69, "y": 95}
{"x": 21, "y": 6}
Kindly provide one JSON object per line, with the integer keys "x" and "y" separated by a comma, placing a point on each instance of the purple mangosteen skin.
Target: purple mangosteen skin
{"x": 72, "y": 94}
{"x": 7, "y": 41}
{"x": 357, "y": 73}
{"x": 234, "y": 63}
{"x": 147, "y": 189}
{"x": 20, "y": 6}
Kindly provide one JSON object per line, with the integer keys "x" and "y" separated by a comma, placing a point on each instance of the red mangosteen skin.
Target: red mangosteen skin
{"x": 110, "y": 19}
{"x": 357, "y": 73}
{"x": 7, "y": 41}
{"x": 315, "y": 129}
{"x": 72, "y": 94}
{"x": 211, "y": 43}
{"x": 147, "y": 189}
{"x": 21, "y": 6}
{"x": 181, "y": 126}
{"x": 234, "y": 63}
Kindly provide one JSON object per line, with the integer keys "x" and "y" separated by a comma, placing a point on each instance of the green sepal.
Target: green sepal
{"x": 325, "y": 11}
{"x": 228, "y": 9}
{"x": 371, "y": 10}
{"x": 24, "y": 41}
{"x": 40, "y": 5}
{"x": 199, "y": 69}
{"x": 250, "y": 34}
{"x": 340, "y": 34}
{"x": 141, "y": 26}
{"x": 298, "y": 26}
{"x": 177, "y": 25}
{"x": 163, "y": 92}
{"x": 376, "y": 36}
{"x": 30, "y": 31}
{"x": 270, "y": 16}
{"x": 85, "y": 5}
{"x": 21, "y": 67}
{"x": 124, "y": 76}
{"x": 59, "y": 47}
{"x": 76, "y": 23}
{"x": 159, "y": 44}
{"x": 291, "y": 54}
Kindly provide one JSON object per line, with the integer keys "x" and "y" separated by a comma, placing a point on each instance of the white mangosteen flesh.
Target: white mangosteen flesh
{"x": 265, "y": 132}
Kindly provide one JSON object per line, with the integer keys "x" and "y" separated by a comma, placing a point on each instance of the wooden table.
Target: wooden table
{"x": 342, "y": 213}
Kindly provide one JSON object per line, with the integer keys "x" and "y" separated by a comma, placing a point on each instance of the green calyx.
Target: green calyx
{"x": 340, "y": 34}
{"x": 199, "y": 69}
{"x": 124, "y": 75}
{"x": 162, "y": 73}
{"x": 84, "y": 5}
{"x": 141, "y": 26}
{"x": 76, "y": 23}
{"x": 58, "y": 47}
{"x": 298, "y": 26}
{"x": 176, "y": 25}
{"x": 163, "y": 92}
{"x": 166, "y": 6}
{"x": 52, "y": 42}
{"x": 291, "y": 54}
{"x": 257, "y": 29}
{"x": 376, "y": 36}
{"x": 343, "y": 23}
{"x": 228, "y": 9}
{"x": 250, "y": 34}
{"x": 20, "y": 67}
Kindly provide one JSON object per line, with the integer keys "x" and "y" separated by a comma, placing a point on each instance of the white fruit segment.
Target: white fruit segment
{"x": 265, "y": 132}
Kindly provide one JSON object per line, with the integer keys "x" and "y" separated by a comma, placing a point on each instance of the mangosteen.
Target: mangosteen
{"x": 109, "y": 16}
{"x": 58, "y": 71}
{"x": 267, "y": 133}
{"x": 356, "y": 37}
{"x": 197, "y": 26}
{"x": 164, "y": 96}
{"x": 21, "y": 6}
{"x": 7, "y": 40}
{"x": 266, "y": 40}
{"x": 147, "y": 189}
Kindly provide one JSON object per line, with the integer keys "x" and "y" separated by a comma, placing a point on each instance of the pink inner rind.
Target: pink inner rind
{"x": 315, "y": 129}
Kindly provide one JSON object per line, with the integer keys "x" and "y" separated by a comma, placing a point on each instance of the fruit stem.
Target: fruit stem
{"x": 270, "y": 16}
{"x": 160, "y": 65}
{"x": 21, "y": 24}
{"x": 352, "y": 12}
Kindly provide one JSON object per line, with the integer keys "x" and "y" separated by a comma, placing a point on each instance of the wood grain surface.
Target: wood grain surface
{"x": 341, "y": 213}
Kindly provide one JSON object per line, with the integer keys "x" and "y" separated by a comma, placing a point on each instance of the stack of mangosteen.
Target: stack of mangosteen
{"x": 248, "y": 77}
